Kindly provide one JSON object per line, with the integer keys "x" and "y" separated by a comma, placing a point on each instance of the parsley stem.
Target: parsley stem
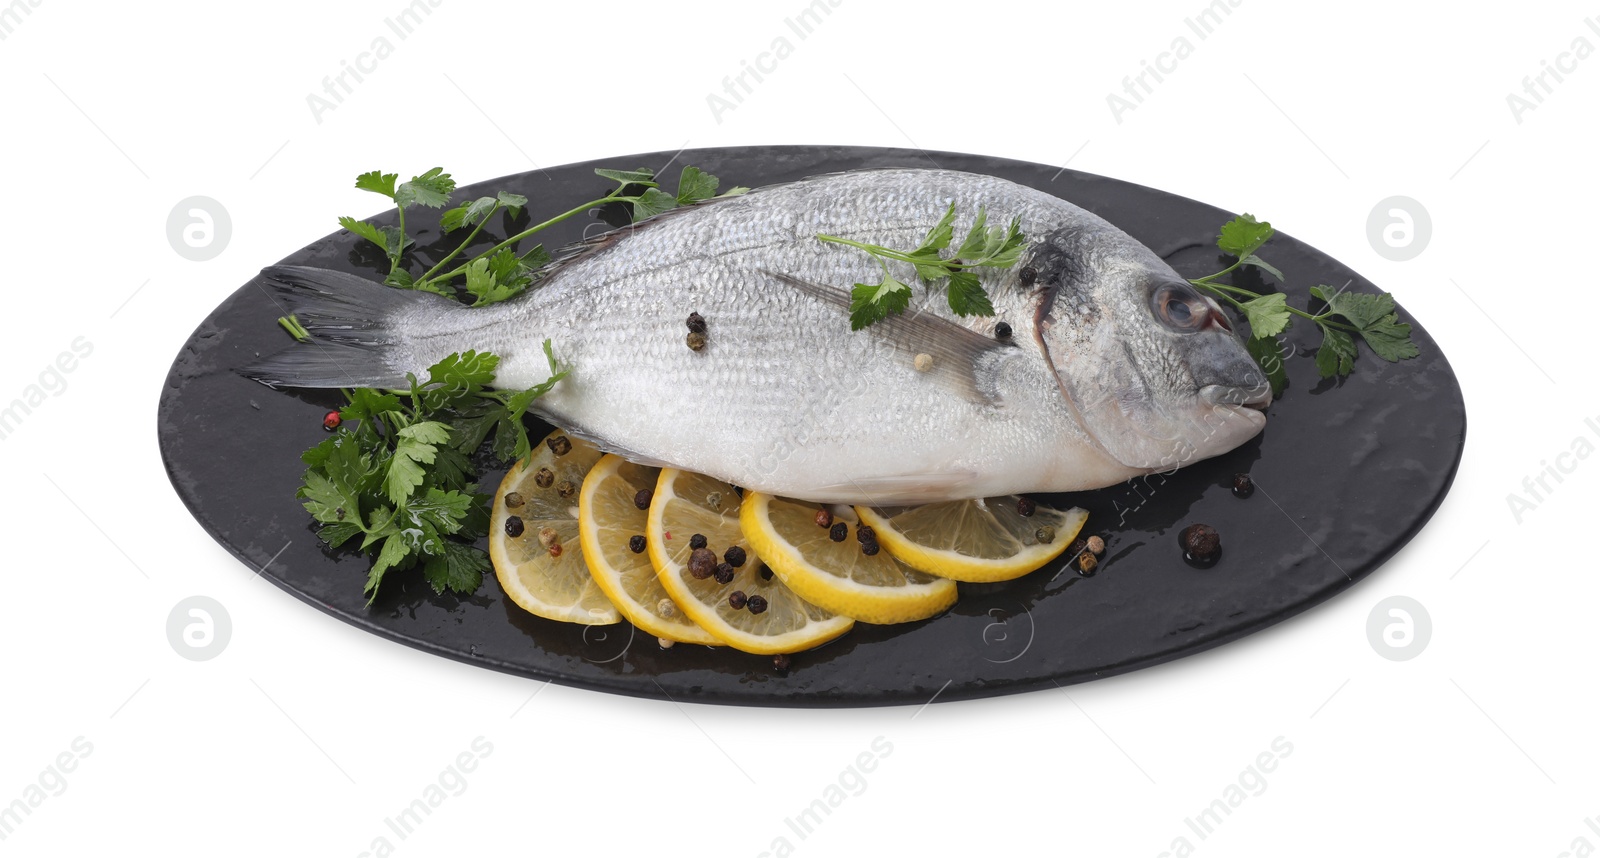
{"x": 463, "y": 246}
{"x": 394, "y": 261}
{"x": 512, "y": 241}
{"x": 883, "y": 252}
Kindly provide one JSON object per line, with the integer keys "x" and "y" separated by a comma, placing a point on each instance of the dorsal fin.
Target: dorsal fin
{"x": 964, "y": 360}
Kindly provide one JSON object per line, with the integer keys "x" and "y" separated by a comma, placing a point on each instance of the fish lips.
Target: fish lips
{"x": 1255, "y": 398}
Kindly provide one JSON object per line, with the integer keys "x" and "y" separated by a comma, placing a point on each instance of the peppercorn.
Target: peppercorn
{"x": 697, "y": 541}
{"x": 780, "y": 662}
{"x": 566, "y": 488}
{"x": 1200, "y": 542}
{"x": 869, "y": 548}
{"x": 636, "y": 543}
{"x": 697, "y": 323}
{"x": 702, "y": 563}
{"x": 766, "y": 572}
{"x": 823, "y": 518}
{"x": 923, "y": 362}
{"x": 544, "y": 477}
{"x": 1097, "y": 545}
{"x": 549, "y": 537}
{"x": 641, "y": 498}
{"x": 1025, "y": 507}
{"x": 757, "y": 604}
{"x": 1045, "y": 535}
{"x": 1077, "y": 547}
{"x": 559, "y": 445}
{"x": 555, "y": 550}
{"x": 339, "y": 513}
{"x": 839, "y": 531}
{"x": 513, "y": 526}
{"x": 1087, "y": 564}
{"x": 1027, "y": 275}
{"x": 865, "y": 534}
{"x": 737, "y": 600}
{"x": 723, "y": 573}
{"x": 667, "y": 608}
{"x": 696, "y": 341}
{"x": 1002, "y": 331}
{"x": 1243, "y": 487}
{"x": 735, "y": 556}
{"x": 513, "y": 499}
{"x": 714, "y": 500}
{"x": 331, "y": 420}
{"x": 665, "y": 643}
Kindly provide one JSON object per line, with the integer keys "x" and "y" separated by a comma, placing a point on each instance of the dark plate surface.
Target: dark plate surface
{"x": 1347, "y": 473}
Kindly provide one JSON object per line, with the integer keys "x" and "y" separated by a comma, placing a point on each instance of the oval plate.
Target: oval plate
{"x": 1346, "y": 472}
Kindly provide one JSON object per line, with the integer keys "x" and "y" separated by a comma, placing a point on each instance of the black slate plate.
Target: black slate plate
{"x": 1348, "y": 472}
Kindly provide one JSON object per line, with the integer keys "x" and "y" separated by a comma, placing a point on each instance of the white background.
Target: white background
{"x": 306, "y": 733}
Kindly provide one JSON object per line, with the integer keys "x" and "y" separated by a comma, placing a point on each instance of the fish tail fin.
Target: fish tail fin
{"x": 353, "y": 323}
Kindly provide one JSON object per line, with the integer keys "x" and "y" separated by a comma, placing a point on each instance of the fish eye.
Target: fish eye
{"x": 1182, "y": 310}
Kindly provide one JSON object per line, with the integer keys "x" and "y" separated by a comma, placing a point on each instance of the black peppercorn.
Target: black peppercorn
{"x": 735, "y": 556}
{"x": 514, "y": 526}
{"x": 757, "y": 604}
{"x": 641, "y": 499}
{"x": 1027, "y": 275}
{"x": 1002, "y": 331}
{"x": 697, "y": 323}
{"x": 865, "y": 534}
{"x": 766, "y": 572}
{"x": 1025, "y": 507}
{"x": 559, "y": 445}
{"x": 697, "y": 541}
{"x": 1243, "y": 487}
{"x": 723, "y": 573}
{"x": 869, "y": 548}
{"x": 1200, "y": 542}
{"x": 736, "y": 600}
{"x": 780, "y": 662}
{"x": 702, "y": 563}
{"x": 839, "y": 531}
{"x": 636, "y": 544}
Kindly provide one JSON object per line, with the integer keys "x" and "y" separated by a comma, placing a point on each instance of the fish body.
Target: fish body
{"x": 1095, "y": 384}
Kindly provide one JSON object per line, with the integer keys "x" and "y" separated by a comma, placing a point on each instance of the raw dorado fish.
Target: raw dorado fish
{"x": 1116, "y": 366}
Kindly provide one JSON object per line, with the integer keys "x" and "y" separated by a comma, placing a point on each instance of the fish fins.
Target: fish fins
{"x": 350, "y": 320}
{"x": 963, "y": 359}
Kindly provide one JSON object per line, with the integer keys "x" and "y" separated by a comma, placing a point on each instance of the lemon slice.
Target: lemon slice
{"x": 686, "y": 504}
{"x": 608, "y": 519}
{"x": 838, "y": 576}
{"x": 550, "y": 581}
{"x": 982, "y": 540}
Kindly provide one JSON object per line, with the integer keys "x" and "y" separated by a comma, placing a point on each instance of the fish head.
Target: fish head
{"x": 1152, "y": 367}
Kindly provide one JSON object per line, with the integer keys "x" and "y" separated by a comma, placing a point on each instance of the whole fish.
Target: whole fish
{"x": 1114, "y": 365}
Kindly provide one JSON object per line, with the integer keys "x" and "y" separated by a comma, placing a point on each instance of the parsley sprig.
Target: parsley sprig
{"x": 1344, "y": 315}
{"x": 398, "y": 473}
{"x": 984, "y": 247}
{"x": 500, "y": 272}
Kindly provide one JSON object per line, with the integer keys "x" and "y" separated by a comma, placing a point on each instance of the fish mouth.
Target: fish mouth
{"x": 1256, "y": 398}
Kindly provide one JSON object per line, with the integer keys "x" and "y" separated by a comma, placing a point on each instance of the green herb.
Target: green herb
{"x": 984, "y": 247}
{"x": 1344, "y": 317}
{"x": 398, "y": 473}
{"x": 501, "y": 272}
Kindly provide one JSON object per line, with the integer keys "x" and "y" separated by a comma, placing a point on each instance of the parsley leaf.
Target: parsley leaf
{"x": 431, "y": 189}
{"x": 1268, "y": 315}
{"x": 1244, "y": 235}
{"x": 1268, "y": 353}
{"x": 695, "y": 185}
{"x": 966, "y": 295}
{"x": 378, "y": 182}
{"x": 870, "y": 304}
